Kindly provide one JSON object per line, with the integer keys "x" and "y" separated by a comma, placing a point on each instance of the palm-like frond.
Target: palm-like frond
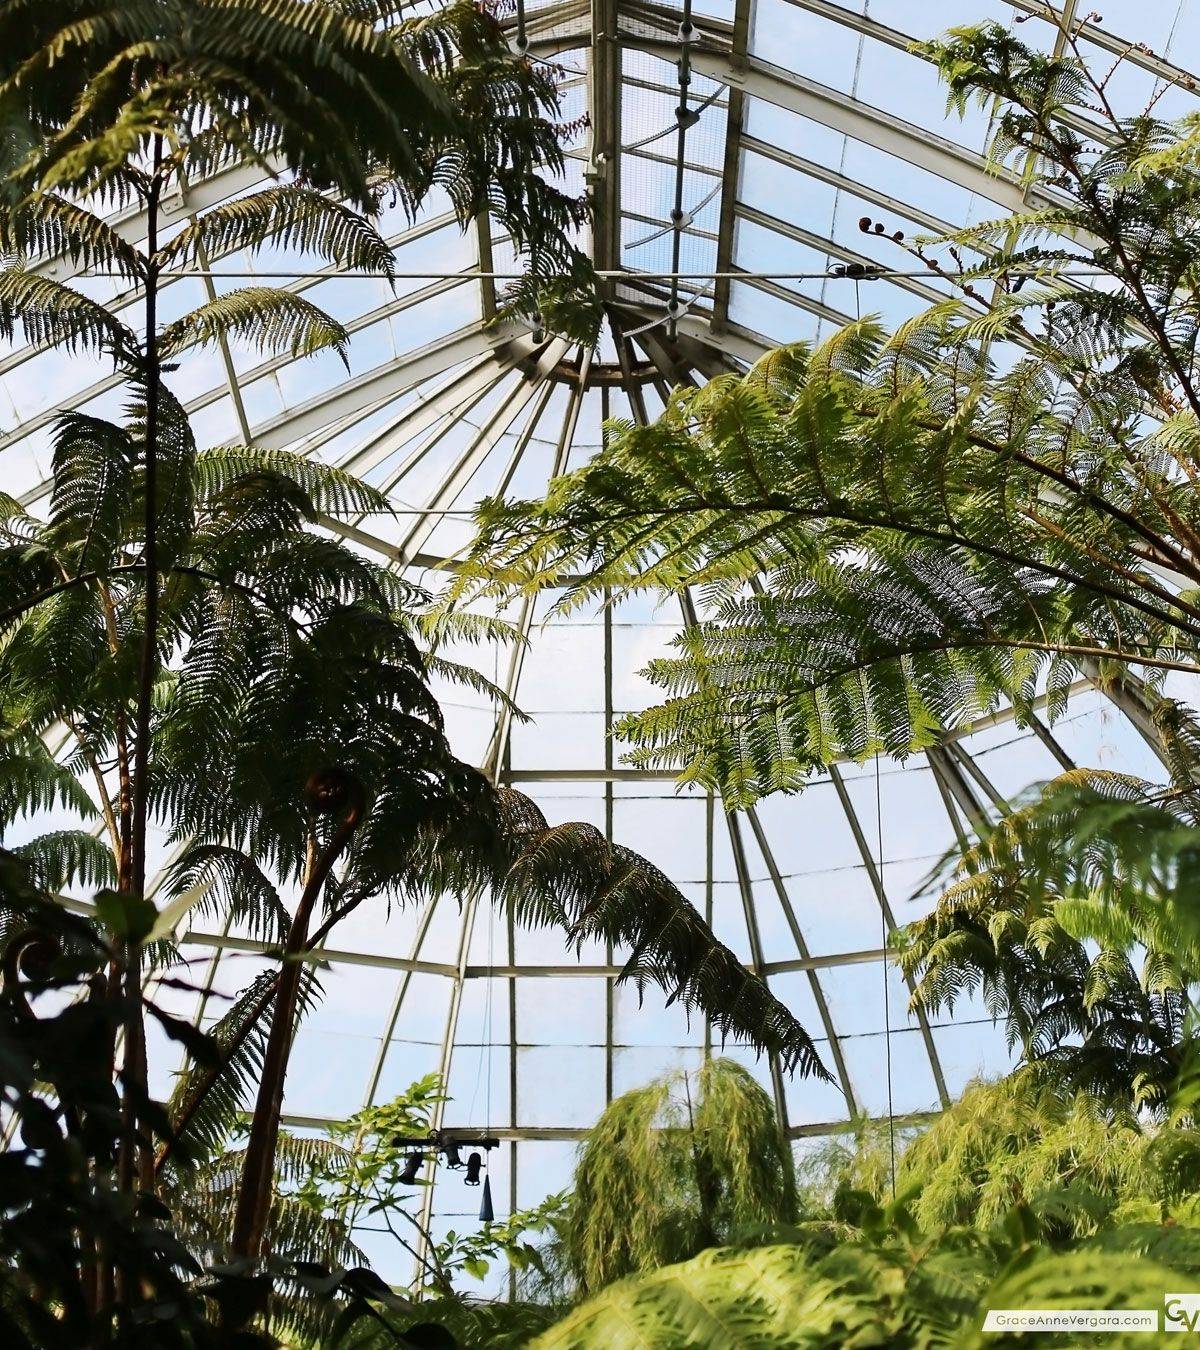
{"x": 571, "y": 877}
{"x": 47, "y": 225}
{"x": 877, "y": 560}
{"x": 209, "y": 1097}
{"x": 331, "y": 490}
{"x": 31, "y": 779}
{"x": 93, "y": 490}
{"x": 51, "y": 313}
{"x": 267, "y": 318}
{"x": 289, "y": 217}
{"x": 233, "y": 886}
{"x": 62, "y": 858}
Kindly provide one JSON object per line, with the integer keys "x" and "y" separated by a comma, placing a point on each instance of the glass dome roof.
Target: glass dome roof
{"x": 800, "y": 117}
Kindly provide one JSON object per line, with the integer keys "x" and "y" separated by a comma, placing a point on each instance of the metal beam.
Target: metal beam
{"x": 807, "y": 962}
{"x": 565, "y": 970}
{"x": 731, "y": 173}
{"x": 603, "y": 171}
{"x": 393, "y": 377}
{"x": 573, "y": 1134}
{"x": 823, "y": 173}
{"x": 882, "y": 130}
{"x": 460, "y": 474}
{"x": 758, "y": 962}
{"x": 461, "y": 391}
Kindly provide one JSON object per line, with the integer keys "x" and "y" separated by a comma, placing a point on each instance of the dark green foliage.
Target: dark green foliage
{"x": 286, "y": 656}
{"x": 62, "y": 1214}
{"x": 169, "y": 593}
{"x": 443, "y": 1324}
{"x": 357, "y": 100}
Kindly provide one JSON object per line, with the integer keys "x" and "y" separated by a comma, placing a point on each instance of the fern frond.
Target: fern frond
{"x": 62, "y": 859}
{"x": 269, "y": 319}
{"x": 51, "y": 314}
{"x": 47, "y": 225}
{"x": 332, "y": 491}
{"x": 289, "y": 217}
{"x": 208, "y": 1098}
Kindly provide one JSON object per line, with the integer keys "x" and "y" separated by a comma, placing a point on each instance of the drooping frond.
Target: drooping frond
{"x": 62, "y": 858}
{"x": 332, "y": 491}
{"x": 208, "y": 1097}
{"x": 47, "y": 225}
{"x": 700, "y": 1161}
{"x": 31, "y": 779}
{"x": 571, "y": 877}
{"x": 49, "y": 313}
{"x": 93, "y": 490}
{"x": 288, "y": 217}
{"x": 264, "y": 317}
{"x": 610, "y": 893}
{"x": 233, "y": 886}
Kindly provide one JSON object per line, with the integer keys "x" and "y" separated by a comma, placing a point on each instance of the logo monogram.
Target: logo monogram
{"x": 1182, "y": 1312}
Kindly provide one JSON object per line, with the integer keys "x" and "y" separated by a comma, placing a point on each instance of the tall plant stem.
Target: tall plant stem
{"x": 258, "y": 1169}
{"x": 135, "y": 1076}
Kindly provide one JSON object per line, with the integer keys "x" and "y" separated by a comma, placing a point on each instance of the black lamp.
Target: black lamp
{"x": 474, "y": 1164}
{"x": 453, "y": 1156}
{"x": 412, "y": 1165}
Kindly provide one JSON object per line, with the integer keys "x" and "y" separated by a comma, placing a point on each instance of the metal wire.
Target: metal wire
{"x": 611, "y": 274}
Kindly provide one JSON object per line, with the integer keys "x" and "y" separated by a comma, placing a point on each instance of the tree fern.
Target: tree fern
{"x": 1071, "y": 915}
{"x": 890, "y": 534}
{"x": 166, "y": 588}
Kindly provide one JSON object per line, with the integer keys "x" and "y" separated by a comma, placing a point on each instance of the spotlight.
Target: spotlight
{"x": 412, "y": 1165}
{"x": 453, "y": 1156}
{"x": 474, "y": 1164}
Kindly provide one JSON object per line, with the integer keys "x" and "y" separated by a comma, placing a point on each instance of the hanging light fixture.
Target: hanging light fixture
{"x": 412, "y": 1165}
{"x": 474, "y": 1165}
{"x": 486, "y": 1212}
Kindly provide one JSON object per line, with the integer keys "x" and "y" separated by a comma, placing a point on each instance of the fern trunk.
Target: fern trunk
{"x": 136, "y": 1160}
{"x": 258, "y": 1169}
